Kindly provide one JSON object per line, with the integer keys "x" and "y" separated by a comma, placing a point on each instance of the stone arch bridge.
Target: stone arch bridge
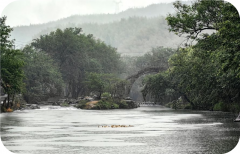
{"x": 144, "y": 71}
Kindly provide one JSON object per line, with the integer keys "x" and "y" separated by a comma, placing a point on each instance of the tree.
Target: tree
{"x": 76, "y": 54}
{"x": 99, "y": 83}
{"x": 196, "y": 18}
{"x": 207, "y": 72}
{"x": 43, "y": 77}
{"x": 158, "y": 88}
{"x": 95, "y": 83}
{"x": 11, "y": 63}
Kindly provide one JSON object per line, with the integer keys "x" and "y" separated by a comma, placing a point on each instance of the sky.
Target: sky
{"x": 26, "y": 12}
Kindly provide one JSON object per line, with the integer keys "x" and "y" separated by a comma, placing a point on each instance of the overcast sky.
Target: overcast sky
{"x": 25, "y": 12}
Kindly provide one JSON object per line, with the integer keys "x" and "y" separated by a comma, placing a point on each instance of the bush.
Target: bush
{"x": 115, "y": 106}
{"x": 235, "y": 108}
{"x": 81, "y": 104}
{"x": 102, "y": 104}
{"x": 221, "y": 107}
{"x": 123, "y": 105}
{"x": 169, "y": 105}
{"x": 188, "y": 106}
{"x": 65, "y": 104}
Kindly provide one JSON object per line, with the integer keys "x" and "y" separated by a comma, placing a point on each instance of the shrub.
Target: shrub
{"x": 221, "y": 107}
{"x": 115, "y": 106}
{"x": 123, "y": 105}
{"x": 188, "y": 106}
{"x": 65, "y": 104}
{"x": 81, "y": 104}
{"x": 102, "y": 104}
{"x": 169, "y": 105}
{"x": 235, "y": 108}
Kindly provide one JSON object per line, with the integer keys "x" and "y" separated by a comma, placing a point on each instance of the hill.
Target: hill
{"x": 134, "y": 31}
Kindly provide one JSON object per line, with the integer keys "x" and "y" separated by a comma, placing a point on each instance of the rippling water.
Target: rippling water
{"x": 56, "y": 130}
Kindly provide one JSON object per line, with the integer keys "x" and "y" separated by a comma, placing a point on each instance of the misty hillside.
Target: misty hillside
{"x": 134, "y": 31}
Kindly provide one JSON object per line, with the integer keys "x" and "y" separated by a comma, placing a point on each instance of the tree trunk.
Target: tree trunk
{"x": 8, "y": 101}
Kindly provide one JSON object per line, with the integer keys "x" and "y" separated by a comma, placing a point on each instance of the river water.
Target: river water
{"x": 157, "y": 130}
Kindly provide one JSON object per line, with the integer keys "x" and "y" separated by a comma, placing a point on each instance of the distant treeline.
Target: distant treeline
{"x": 133, "y": 32}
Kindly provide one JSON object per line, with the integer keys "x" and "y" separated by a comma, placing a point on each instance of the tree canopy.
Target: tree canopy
{"x": 42, "y": 76}
{"x": 206, "y": 73}
{"x": 11, "y": 62}
{"x": 76, "y": 53}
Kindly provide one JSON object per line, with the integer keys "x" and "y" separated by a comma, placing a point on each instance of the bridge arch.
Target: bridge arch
{"x": 135, "y": 76}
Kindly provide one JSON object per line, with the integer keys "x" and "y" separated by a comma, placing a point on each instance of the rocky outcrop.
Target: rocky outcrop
{"x": 30, "y": 107}
{"x": 131, "y": 104}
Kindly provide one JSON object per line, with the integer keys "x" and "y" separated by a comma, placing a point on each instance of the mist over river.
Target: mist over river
{"x": 59, "y": 130}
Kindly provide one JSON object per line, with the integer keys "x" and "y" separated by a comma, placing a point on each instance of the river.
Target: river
{"x": 156, "y": 130}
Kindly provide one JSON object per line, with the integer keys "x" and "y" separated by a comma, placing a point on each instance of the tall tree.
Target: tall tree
{"x": 76, "y": 54}
{"x": 43, "y": 77}
{"x": 208, "y": 72}
{"x": 11, "y": 63}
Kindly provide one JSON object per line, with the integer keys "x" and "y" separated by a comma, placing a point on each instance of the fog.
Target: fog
{"x": 25, "y": 12}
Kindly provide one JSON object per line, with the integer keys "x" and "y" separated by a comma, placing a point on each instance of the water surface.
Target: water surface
{"x": 56, "y": 130}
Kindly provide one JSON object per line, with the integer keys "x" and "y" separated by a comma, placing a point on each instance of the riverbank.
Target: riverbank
{"x": 86, "y": 103}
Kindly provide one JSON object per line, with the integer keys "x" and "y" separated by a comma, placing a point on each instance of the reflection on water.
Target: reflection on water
{"x": 54, "y": 130}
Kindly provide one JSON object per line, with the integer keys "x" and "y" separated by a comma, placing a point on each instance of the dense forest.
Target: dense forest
{"x": 201, "y": 74}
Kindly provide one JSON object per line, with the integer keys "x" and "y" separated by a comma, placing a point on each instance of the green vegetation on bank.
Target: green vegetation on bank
{"x": 11, "y": 65}
{"x": 61, "y": 63}
{"x": 205, "y": 74}
{"x": 105, "y": 103}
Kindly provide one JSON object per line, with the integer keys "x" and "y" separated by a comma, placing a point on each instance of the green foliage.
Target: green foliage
{"x": 220, "y": 107}
{"x": 106, "y": 95}
{"x": 95, "y": 83}
{"x": 77, "y": 54}
{"x": 11, "y": 63}
{"x": 123, "y": 105}
{"x": 103, "y": 104}
{"x": 98, "y": 83}
{"x": 159, "y": 88}
{"x": 208, "y": 72}
{"x": 157, "y": 57}
{"x": 81, "y": 104}
{"x": 193, "y": 19}
{"x": 5, "y": 34}
{"x": 188, "y": 106}
{"x": 43, "y": 77}
{"x": 65, "y": 104}
{"x": 115, "y": 106}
